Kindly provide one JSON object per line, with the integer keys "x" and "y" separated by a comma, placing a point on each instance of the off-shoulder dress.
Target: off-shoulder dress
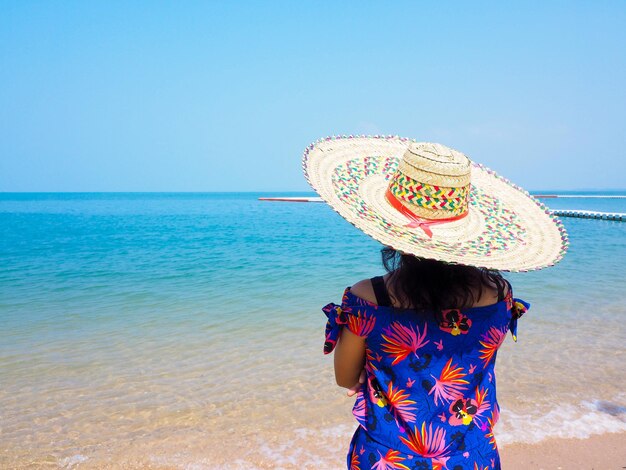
{"x": 429, "y": 400}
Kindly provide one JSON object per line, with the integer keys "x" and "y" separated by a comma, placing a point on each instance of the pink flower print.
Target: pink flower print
{"x": 376, "y": 393}
{"x": 495, "y": 414}
{"x": 491, "y": 422}
{"x": 482, "y": 404}
{"x": 439, "y": 345}
{"x": 359, "y": 410}
{"x": 370, "y": 359}
{"x": 463, "y": 411}
{"x": 390, "y": 461}
{"x": 519, "y": 308}
{"x": 455, "y": 322}
{"x": 509, "y": 300}
{"x": 491, "y": 342}
{"x": 401, "y": 407}
{"x": 400, "y": 341}
{"x": 427, "y": 443}
{"x": 440, "y": 463}
{"x": 450, "y": 383}
{"x": 354, "y": 461}
{"x": 361, "y": 324}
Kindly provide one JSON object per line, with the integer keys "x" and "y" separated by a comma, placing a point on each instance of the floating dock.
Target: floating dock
{"x": 292, "y": 199}
{"x": 616, "y": 216}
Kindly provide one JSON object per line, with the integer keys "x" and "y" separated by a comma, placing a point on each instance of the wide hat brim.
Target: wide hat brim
{"x": 505, "y": 228}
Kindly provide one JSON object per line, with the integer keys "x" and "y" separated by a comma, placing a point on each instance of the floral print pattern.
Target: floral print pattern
{"x": 400, "y": 341}
{"x": 454, "y": 322}
{"x": 429, "y": 398}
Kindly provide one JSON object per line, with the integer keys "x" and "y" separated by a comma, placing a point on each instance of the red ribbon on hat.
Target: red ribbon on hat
{"x": 416, "y": 220}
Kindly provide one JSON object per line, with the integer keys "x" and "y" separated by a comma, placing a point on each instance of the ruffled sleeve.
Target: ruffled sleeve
{"x": 518, "y": 308}
{"x": 336, "y": 319}
{"x": 355, "y": 317}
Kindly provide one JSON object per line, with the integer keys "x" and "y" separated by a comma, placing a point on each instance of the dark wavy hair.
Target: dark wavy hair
{"x": 426, "y": 284}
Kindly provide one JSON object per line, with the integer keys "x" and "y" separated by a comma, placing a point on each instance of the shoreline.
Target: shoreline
{"x": 598, "y": 452}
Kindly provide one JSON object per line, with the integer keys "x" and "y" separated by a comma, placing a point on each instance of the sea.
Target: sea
{"x": 184, "y": 330}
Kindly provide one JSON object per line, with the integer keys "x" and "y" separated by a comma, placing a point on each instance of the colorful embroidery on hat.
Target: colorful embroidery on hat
{"x": 501, "y": 227}
{"x": 453, "y": 200}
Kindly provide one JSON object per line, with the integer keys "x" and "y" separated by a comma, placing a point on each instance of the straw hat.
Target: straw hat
{"x": 431, "y": 201}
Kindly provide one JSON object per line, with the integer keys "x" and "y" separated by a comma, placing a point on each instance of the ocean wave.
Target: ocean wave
{"x": 566, "y": 421}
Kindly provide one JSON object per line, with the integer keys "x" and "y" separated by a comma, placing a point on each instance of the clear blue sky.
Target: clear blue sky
{"x": 219, "y": 96}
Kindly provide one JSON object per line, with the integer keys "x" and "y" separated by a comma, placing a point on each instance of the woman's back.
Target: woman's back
{"x": 429, "y": 399}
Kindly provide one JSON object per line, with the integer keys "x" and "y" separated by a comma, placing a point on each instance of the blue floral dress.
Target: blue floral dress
{"x": 429, "y": 400}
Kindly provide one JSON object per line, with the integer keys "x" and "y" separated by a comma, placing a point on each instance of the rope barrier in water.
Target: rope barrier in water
{"x": 581, "y": 196}
{"x": 616, "y": 216}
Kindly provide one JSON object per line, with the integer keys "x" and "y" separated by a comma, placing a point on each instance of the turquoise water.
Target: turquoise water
{"x": 133, "y": 324}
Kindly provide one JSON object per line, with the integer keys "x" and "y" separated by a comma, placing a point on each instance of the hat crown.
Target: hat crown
{"x": 432, "y": 181}
{"x": 437, "y": 159}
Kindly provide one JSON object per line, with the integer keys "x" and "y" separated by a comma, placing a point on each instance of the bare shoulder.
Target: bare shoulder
{"x": 507, "y": 288}
{"x": 490, "y": 294}
{"x": 364, "y": 290}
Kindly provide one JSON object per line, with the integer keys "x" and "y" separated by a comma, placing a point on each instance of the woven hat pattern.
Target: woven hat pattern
{"x": 505, "y": 227}
{"x": 428, "y": 196}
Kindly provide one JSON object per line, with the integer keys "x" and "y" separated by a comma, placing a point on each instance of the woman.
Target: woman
{"x": 423, "y": 339}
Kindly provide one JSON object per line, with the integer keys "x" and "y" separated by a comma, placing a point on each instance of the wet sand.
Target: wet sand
{"x": 600, "y": 452}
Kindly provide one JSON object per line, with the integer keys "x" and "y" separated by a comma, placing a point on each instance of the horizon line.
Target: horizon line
{"x": 278, "y": 192}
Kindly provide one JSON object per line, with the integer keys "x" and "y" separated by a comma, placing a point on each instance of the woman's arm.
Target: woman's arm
{"x": 349, "y": 359}
{"x": 350, "y": 349}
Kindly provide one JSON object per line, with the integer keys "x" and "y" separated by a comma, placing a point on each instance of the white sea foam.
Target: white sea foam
{"x": 308, "y": 448}
{"x": 567, "y": 421}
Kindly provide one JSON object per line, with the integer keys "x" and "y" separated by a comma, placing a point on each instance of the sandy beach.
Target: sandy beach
{"x": 601, "y": 452}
